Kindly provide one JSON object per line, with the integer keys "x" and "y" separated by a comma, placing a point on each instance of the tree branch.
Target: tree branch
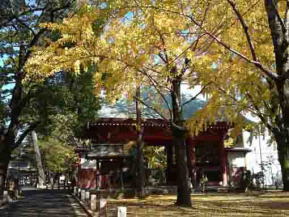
{"x": 5, "y": 22}
{"x": 267, "y": 72}
{"x": 259, "y": 113}
{"x": 279, "y": 17}
{"x": 258, "y": 65}
{"x": 279, "y": 39}
{"x": 161, "y": 115}
{"x": 286, "y": 14}
{"x": 25, "y": 25}
{"x": 151, "y": 108}
{"x": 25, "y": 133}
{"x": 245, "y": 28}
{"x": 196, "y": 96}
{"x": 154, "y": 83}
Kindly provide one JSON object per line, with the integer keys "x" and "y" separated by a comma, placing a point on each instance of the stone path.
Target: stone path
{"x": 44, "y": 203}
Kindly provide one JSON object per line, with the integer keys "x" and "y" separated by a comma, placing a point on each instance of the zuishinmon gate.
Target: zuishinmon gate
{"x": 107, "y": 164}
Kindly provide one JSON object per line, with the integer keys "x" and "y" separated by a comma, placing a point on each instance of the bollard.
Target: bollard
{"x": 6, "y": 197}
{"x": 82, "y": 195}
{"x": 75, "y": 190}
{"x": 79, "y": 192}
{"x": 16, "y": 193}
{"x": 102, "y": 207}
{"x": 87, "y": 195}
{"x": 93, "y": 202}
{"x": 121, "y": 211}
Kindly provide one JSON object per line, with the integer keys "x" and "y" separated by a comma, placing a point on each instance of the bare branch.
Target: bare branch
{"x": 269, "y": 73}
{"x": 154, "y": 83}
{"x": 164, "y": 46}
{"x": 24, "y": 134}
{"x": 5, "y": 22}
{"x": 259, "y": 113}
{"x": 245, "y": 28}
{"x": 286, "y": 22}
{"x": 161, "y": 115}
{"x": 151, "y": 108}
{"x": 280, "y": 20}
{"x": 25, "y": 25}
{"x": 162, "y": 57}
{"x": 196, "y": 96}
{"x": 286, "y": 14}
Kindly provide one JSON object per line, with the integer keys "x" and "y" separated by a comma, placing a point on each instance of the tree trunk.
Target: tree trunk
{"x": 184, "y": 192}
{"x": 3, "y": 173}
{"x": 281, "y": 130}
{"x": 282, "y": 140}
{"x": 41, "y": 175}
{"x": 179, "y": 133}
{"x": 140, "y": 181}
{"x": 5, "y": 156}
{"x": 280, "y": 40}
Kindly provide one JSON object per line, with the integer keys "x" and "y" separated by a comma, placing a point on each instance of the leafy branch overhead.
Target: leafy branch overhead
{"x": 136, "y": 47}
{"x": 237, "y": 50}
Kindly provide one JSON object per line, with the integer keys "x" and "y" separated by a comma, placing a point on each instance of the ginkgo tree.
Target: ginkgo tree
{"x": 247, "y": 62}
{"x": 250, "y": 51}
{"x": 131, "y": 46}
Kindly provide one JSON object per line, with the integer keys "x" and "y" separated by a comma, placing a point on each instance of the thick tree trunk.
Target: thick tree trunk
{"x": 281, "y": 131}
{"x": 3, "y": 173}
{"x": 41, "y": 175}
{"x": 282, "y": 140}
{"x": 7, "y": 140}
{"x": 140, "y": 182}
{"x": 5, "y": 156}
{"x": 179, "y": 133}
{"x": 280, "y": 39}
{"x": 140, "y": 168}
{"x": 184, "y": 192}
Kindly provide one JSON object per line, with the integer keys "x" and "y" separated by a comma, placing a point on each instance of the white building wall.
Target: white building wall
{"x": 87, "y": 164}
{"x": 236, "y": 159}
{"x": 263, "y": 152}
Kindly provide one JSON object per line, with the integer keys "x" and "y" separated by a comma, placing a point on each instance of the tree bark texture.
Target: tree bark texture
{"x": 5, "y": 156}
{"x": 8, "y": 139}
{"x": 282, "y": 139}
{"x": 19, "y": 97}
{"x": 38, "y": 159}
{"x": 4, "y": 162}
{"x": 140, "y": 171}
{"x": 179, "y": 134}
{"x": 280, "y": 39}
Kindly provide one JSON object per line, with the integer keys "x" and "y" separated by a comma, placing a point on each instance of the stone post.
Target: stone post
{"x": 16, "y": 193}
{"x": 121, "y": 211}
{"x": 87, "y": 195}
{"x": 82, "y": 195}
{"x": 102, "y": 207}
{"x": 6, "y": 197}
{"x": 79, "y": 192}
{"x": 75, "y": 190}
{"x": 93, "y": 202}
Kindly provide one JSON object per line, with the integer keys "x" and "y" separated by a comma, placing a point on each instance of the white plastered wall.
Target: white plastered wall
{"x": 263, "y": 152}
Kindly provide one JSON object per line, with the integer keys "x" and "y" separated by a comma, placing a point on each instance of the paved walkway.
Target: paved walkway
{"x": 44, "y": 203}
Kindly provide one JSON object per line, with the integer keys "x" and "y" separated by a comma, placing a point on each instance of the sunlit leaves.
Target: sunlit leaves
{"x": 140, "y": 42}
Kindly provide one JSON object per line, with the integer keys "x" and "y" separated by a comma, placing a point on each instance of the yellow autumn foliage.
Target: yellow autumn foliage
{"x": 139, "y": 42}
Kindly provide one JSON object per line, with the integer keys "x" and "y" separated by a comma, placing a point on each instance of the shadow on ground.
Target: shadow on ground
{"x": 266, "y": 204}
{"x": 44, "y": 203}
